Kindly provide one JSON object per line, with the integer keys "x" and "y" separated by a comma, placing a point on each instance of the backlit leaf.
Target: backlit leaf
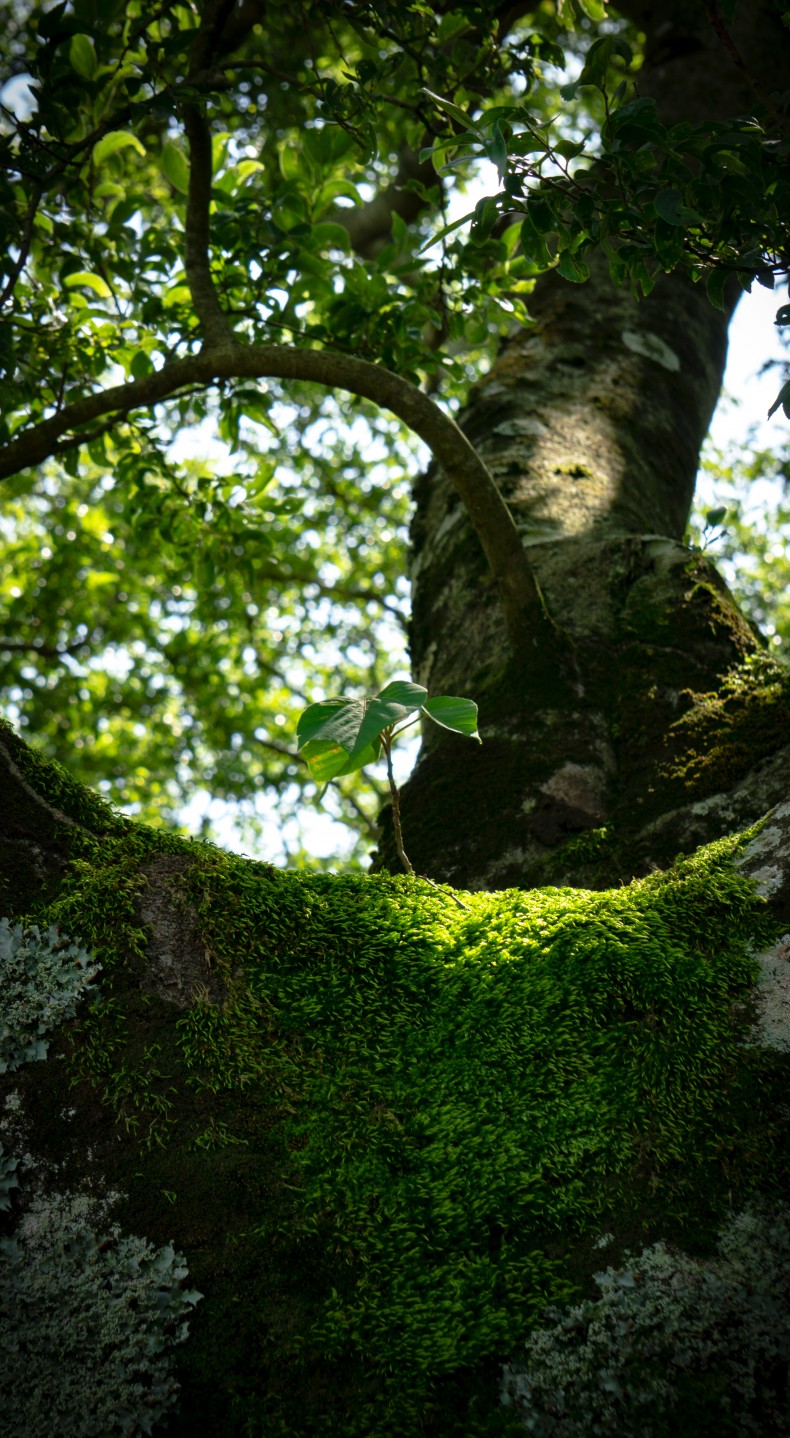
{"x": 82, "y": 56}
{"x": 175, "y": 167}
{"x": 112, "y": 143}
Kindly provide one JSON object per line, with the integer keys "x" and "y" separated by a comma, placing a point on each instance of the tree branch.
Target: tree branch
{"x": 725, "y": 38}
{"x": 214, "y": 323}
{"x": 44, "y": 651}
{"x": 487, "y": 511}
{"x": 25, "y": 238}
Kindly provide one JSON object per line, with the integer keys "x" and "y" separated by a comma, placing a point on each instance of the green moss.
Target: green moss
{"x": 725, "y": 733}
{"x": 58, "y": 788}
{"x": 396, "y": 1137}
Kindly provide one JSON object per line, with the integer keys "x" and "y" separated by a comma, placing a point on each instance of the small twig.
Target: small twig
{"x": 712, "y": 12}
{"x": 386, "y": 744}
{"x": 25, "y": 239}
{"x": 44, "y": 651}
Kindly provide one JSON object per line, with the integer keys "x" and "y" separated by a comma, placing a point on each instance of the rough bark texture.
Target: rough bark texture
{"x": 591, "y": 423}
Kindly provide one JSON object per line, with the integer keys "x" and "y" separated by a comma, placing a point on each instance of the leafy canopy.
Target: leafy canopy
{"x": 187, "y": 553}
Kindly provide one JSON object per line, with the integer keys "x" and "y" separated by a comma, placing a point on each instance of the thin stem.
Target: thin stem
{"x": 386, "y": 745}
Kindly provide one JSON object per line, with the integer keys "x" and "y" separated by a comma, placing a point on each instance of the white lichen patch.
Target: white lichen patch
{"x": 769, "y": 879}
{"x": 667, "y": 1332}
{"x": 772, "y": 1029}
{"x": 642, "y": 342}
{"x": 770, "y": 844}
{"x": 511, "y": 428}
{"x": 88, "y": 1315}
{"x": 579, "y": 785}
{"x": 86, "y": 1324}
{"x": 42, "y": 978}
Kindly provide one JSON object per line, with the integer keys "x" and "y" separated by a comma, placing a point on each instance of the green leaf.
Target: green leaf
{"x": 175, "y": 167}
{"x": 327, "y": 235}
{"x": 315, "y": 716}
{"x": 533, "y": 243}
{"x": 90, "y": 282}
{"x": 716, "y": 282}
{"x": 295, "y": 165}
{"x": 402, "y": 691}
{"x": 783, "y": 315}
{"x": 714, "y": 517}
{"x": 669, "y": 205}
{"x": 783, "y": 400}
{"x": 593, "y": 9}
{"x": 82, "y": 56}
{"x": 446, "y": 230}
{"x": 350, "y": 724}
{"x": 112, "y": 143}
{"x": 572, "y": 268}
{"x": 496, "y": 150}
{"x": 327, "y": 761}
{"x": 450, "y": 712}
{"x": 339, "y": 736}
{"x": 453, "y": 110}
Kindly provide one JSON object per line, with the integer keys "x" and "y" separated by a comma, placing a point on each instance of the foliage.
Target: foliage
{"x": 753, "y": 547}
{"x": 170, "y": 671}
{"x": 87, "y": 1320}
{"x": 340, "y": 736}
{"x": 161, "y": 609}
{"x": 42, "y": 979}
{"x": 159, "y": 634}
{"x": 673, "y": 1344}
{"x": 710, "y": 198}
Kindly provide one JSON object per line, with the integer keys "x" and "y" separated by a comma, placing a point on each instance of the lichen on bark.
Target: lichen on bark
{"x": 392, "y": 1129}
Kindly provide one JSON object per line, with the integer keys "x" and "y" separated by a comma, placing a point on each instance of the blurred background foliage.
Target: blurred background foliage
{"x": 175, "y": 592}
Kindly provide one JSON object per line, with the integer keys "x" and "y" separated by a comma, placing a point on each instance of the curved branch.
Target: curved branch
{"x": 214, "y": 323}
{"x": 487, "y": 511}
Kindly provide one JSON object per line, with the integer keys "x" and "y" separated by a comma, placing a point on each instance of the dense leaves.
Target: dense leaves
{"x": 178, "y": 576}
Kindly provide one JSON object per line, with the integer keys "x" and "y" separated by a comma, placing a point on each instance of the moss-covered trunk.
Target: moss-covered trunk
{"x": 605, "y": 752}
{"x": 379, "y": 1131}
{"x": 383, "y": 1129}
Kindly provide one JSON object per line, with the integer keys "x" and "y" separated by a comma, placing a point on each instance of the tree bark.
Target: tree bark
{"x": 299, "y": 1080}
{"x": 591, "y": 422}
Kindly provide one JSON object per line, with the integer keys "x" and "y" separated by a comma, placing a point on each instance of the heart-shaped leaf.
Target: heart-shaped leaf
{"x": 450, "y": 712}
{"x": 339, "y": 736}
{"x": 350, "y": 728}
{"x": 327, "y": 761}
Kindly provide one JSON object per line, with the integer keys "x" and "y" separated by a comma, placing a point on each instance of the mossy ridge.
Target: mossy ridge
{"x": 501, "y": 1083}
{"x": 725, "y": 733}
{"x": 395, "y": 1027}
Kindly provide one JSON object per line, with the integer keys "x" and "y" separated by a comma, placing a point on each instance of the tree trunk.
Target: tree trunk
{"x": 383, "y": 1129}
{"x": 605, "y": 752}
